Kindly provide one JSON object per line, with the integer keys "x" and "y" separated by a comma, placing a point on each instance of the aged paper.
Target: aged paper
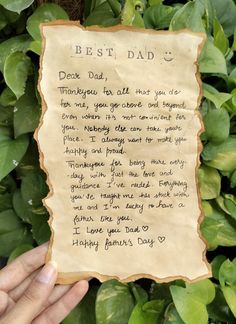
{"x": 119, "y": 141}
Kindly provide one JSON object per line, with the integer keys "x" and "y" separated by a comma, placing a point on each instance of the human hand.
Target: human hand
{"x": 28, "y": 294}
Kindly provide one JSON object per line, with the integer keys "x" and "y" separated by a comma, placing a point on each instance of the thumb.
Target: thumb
{"x": 36, "y": 295}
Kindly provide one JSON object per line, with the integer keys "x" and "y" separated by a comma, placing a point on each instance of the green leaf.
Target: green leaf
{"x": 230, "y": 297}
{"x": 160, "y": 291}
{"x": 39, "y": 210}
{"x": 84, "y": 313}
{"x": 212, "y": 94}
{"x": 139, "y": 293}
{"x": 5, "y": 133}
{"x": 226, "y": 14}
{"x": 7, "y": 98}
{"x": 212, "y": 60}
{"x": 230, "y": 204}
{"x": 227, "y": 278}
{"x": 34, "y": 188}
{"x": 154, "y": 306}
{"x": 115, "y": 7}
{"x": 6, "y": 120}
{"x": 191, "y": 301}
{"x": 18, "y": 43}
{"x": 18, "y": 251}
{"x": 3, "y": 19}
{"x": 220, "y": 39}
{"x": 11, "y": 152}
{"x": 216, "y": 264}
{"x": 189, "y": 17}
{"x": 147, "y": 313}
{"x": 22, "y": 209}
{"x": 102, "y": 16}
{"x": 207, "y": 13}
{"x": 5, "y": 201}
{"x": 218, "y": 228}
{"x": 45, "y": 13}
{"x": 9, "y": 241}
{"x": 40, "y": 228}
{"x": 202, "y": 290}
{"x": 12, "y": 232}
{"x": 131, "y": 16}
{"x": 36, "y": 47}
{"x": 27, "y": 112}
{"x": 114, "y": 303}
{"x": 209, "y": 181}
{"x": 9, "y": 221}
{"x": 233, "y": 179}
{"x": 16, "y": 69}
{"x": 7, "y": 17}
{"x": 232, "y": 77}
{"x": 227, "y": 273}
{"x": 154, "y": 2}
{"x": 191, "y": 310}
{"x": 217, "y": 125}
{"x": 7, "y": 184}
{"x": 172, "y": 316}
{"x": 158, "y": 16}
{"x": 16, "y": 5}
{"x": 30, "y": 161}
{"x": 234, "y": 43}
{"x": 218, "y": 310}
{"x": 222, "y": 156}
{"x": 19, "y": 24}
{"x": 233, "y": 92}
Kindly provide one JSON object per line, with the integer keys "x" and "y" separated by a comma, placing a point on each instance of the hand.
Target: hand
{"x": 28, "y": 294}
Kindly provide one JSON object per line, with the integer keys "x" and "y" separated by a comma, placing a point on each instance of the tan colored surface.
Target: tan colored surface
{"x": 148, "y": 113}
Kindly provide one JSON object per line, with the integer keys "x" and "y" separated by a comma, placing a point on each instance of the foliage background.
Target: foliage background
{"x": 23, "y": 219}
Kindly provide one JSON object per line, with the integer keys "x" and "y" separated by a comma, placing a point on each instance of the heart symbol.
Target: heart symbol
{"x": 145, "y": 228}
{"x": 161, "y": 239}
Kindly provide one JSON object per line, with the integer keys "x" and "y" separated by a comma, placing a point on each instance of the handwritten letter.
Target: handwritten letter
{"x": 119, "y": 140}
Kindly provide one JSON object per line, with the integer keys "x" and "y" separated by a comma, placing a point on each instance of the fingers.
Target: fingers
{"x": 13, "y": 274}
{"x": 8, "y": 304}
{"x": 3, "y": 302}
{"x": 17, "y": 292}
{"x": 57, "y": 292}
{"x": 33, "y": 299}
{"x": 58, "y": 311}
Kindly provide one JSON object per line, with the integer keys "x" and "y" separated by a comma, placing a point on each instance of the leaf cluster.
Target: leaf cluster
{"x": 23, "y": 218}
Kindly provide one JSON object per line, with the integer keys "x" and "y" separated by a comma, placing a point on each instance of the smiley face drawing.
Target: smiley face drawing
{"x": 168, "y": 57}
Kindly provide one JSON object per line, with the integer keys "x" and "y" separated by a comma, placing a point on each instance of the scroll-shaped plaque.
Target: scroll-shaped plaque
{"x": 119, "y": 141}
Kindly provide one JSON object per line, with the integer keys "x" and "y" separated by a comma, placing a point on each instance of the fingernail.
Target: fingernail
{"x": 48, "y": 272}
